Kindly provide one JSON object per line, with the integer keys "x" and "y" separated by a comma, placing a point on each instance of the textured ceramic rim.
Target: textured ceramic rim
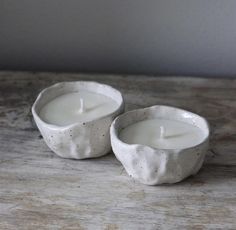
{"x": 114, "y": 131}
{"x": 55, "y": 86}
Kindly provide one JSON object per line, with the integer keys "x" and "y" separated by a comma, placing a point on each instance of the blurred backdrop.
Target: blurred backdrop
{"x": 161, "y": 37}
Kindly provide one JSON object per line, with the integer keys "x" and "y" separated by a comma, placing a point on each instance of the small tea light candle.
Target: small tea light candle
{"x": 74, "y": 117}
{"x": 76, "y": 107}
{"x": 160, "y": 144}
{"x": 163, "y": 134}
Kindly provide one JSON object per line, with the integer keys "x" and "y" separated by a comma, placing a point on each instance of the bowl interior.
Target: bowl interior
{"x": 162, "y": 112}
{"x": 61, "y": 88}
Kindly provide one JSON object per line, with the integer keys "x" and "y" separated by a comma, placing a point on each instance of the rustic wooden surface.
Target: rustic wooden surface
{"x": 39, "y": 190}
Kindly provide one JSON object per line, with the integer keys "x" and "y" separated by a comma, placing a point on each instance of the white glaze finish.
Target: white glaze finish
{"x": 83, "y": 139}
{"x": 157, "y": 166}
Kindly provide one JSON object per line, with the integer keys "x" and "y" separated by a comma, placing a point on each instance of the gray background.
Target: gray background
{"x": 187, "y": 37}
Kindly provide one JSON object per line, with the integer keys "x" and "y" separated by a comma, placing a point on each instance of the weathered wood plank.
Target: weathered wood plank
{"x": 39, "y": 190}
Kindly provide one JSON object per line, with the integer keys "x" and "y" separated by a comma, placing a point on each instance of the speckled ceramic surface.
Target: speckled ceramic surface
{"x": 79, "y": 140}
{"x": 157, "y": 166}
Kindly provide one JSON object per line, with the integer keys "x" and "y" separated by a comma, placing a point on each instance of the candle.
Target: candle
{"x": 160, "y": 144}
{"x": 162, "y": 134}
{"x": 75, "y": 107}
{"x": 74, "y": 117}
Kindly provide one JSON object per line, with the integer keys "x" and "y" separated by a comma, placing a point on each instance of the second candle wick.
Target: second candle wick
{"x": 82, "y": 107}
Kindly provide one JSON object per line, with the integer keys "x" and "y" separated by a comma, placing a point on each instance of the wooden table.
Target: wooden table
{"x": 39, "y": 190}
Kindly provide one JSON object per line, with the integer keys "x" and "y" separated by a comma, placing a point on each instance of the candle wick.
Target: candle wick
{"x": 162, "y": 132}
{"x": 82, "y": 108}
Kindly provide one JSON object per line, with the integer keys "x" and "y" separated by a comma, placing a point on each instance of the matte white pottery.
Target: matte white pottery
{"x": 79, "y": 140}
{"x": 154, "y": 166}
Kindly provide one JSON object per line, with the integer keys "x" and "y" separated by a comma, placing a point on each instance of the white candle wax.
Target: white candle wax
{"x": 75, "y": 107}
{"x": 163, "y": 134}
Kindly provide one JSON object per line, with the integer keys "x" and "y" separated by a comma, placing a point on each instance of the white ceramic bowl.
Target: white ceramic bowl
{"x": 157, "y": 166}
{"x": 83, "y": 139}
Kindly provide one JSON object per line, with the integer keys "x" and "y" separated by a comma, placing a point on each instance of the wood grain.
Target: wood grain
{"x": 39, "y": 190}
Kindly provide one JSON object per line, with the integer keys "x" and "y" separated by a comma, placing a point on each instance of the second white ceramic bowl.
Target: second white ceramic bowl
{"x": 157, "y": 166}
